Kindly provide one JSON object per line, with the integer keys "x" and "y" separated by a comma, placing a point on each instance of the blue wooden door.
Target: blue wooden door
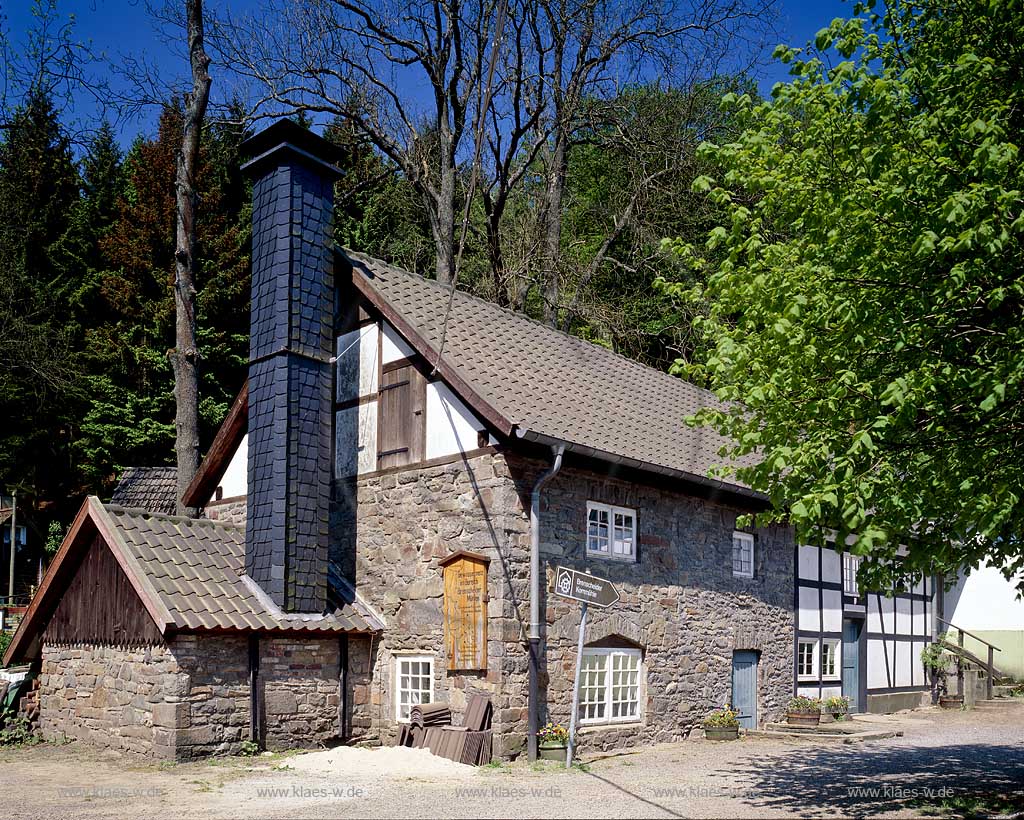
{"x": 744, "y": 687}
{"x": 851, "y": 663}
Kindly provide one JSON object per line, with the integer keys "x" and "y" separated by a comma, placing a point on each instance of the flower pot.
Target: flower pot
{"x": 826, "y": 718}
{"x": 839, "y": 717}
{"x": 951, "y": 701}
{"x": 721, "y": 732}
{"x": 551, "y": 751}
{"x": 806, "y": 719}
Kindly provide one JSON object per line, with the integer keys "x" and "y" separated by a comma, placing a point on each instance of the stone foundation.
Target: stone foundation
{"x": 191, "y": 697}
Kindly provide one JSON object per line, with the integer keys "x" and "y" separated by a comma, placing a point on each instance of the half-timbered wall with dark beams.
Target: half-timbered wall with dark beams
{"x": 892, "y": 629}
{"x": 101, "y": 607}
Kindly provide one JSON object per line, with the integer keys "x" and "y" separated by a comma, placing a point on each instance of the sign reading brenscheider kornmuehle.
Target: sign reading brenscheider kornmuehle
{"x": 587, "y": 589}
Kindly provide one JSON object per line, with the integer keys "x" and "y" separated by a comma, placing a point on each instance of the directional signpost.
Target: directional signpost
{"x": 588, "y": 590}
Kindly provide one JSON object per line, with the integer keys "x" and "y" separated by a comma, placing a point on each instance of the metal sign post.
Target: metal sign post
{"x": 587, "y": 589}
{"x": 570, "y": 747}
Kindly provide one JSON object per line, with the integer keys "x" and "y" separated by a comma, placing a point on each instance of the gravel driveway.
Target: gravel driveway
{"x": 940, "y": 754}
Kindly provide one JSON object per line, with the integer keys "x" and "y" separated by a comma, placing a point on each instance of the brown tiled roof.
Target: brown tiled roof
{"x": 147, "y": 488}
{"x": 196, "y": 567}
{"x": 543, "y": 384}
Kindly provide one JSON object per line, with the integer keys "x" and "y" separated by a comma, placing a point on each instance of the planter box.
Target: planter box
{"x": 806, "y": 719}
{"x": 721, "y": 732}
{"x": 551, "y": 751}
{"x": 951, "y": 701}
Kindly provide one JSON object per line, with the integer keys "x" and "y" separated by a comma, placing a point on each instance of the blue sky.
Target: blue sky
{"x": 120, "y": 27}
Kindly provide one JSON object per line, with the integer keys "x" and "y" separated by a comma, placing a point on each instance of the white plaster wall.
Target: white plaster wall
{"x": 903, "y": 623}
{"x": 832, "y": 615}
{"x": 355, "y": 440}
{"x": 235, "y": 481}
{"x": 807, "y": 691}
{"x": 393, "y": 346}
{"x": 357, "y": 363}
{"x": 808, "y": 614}
{"x": 831, "y": 692}
{"x": 451, "y": 426}
{"x": 985, "y": 600}
{"x": 876, "y": 665}
{"x": 808, "y": 563}
{"x": 831, "y": 567}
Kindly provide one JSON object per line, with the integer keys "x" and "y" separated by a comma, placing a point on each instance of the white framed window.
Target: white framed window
{"x": 743, "y": 554}
{"x": 414, "y": 683}
{"x": 610, "y": 686}
{"x": 611, "y": 532}
{"x": 807, "y": 659}
{"x": 851, "y": 564}
{"x": 830, "y": 655}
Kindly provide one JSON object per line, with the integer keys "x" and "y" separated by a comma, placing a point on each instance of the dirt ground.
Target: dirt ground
{"x": 942, "y": 759}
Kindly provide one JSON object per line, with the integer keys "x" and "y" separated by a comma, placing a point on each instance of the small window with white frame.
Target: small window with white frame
{"x": 414, "y": 683}
{"x": 610, "y": 686}
{"x": 830, "y": 655}
{"x": 851, "y": 565}
{"x": 611, "y": 532}
{"x": 743, "y": 554}
{"x": 807, "y": 659}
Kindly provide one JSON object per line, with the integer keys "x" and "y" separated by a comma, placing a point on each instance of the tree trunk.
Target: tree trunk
{"x": 442, "y": 223}
{"x": 185, "y": 355}
{"x": 554, "y": 195}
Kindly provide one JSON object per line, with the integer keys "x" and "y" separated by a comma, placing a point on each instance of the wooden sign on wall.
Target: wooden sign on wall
{"x": 465, "y": 610}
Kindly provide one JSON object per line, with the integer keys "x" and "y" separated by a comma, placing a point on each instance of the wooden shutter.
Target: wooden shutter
{"x": 401, "y": 423}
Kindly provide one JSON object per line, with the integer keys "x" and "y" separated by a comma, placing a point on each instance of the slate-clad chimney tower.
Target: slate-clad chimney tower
{"x": 289, "y": 370}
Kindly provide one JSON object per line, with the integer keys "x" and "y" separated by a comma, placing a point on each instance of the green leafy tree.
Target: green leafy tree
{"x": 866, "y": 289}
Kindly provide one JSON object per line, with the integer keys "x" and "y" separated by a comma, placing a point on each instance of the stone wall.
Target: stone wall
{"x": 191, "y": 698}
{"x": 389, "y": 531}
{"x": 680, "y": 603}
{"x": 228, "y": 510}
{"x": 112, "y": 698}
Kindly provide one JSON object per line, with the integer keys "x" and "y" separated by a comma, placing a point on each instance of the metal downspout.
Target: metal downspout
{"x": 533, "y": 720}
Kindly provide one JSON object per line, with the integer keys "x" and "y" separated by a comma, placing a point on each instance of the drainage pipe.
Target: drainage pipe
{"x": 533, "y": 719}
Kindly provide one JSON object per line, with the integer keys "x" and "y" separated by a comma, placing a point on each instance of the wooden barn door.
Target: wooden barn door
{"x": 401, "y": 421}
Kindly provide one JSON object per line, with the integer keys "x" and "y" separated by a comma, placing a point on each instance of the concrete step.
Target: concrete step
{"x": 998, "y": 703}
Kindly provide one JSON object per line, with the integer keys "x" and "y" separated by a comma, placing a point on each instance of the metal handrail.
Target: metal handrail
{"x": 965, "y": 632}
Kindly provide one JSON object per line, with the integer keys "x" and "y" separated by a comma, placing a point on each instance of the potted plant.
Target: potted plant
{"x": 552, "y": 739}
{"x": 836, "y": 707}
{"x": 803, "y": 711}
{"x": 936, "y": 657}
{"x": 722, "y": 724}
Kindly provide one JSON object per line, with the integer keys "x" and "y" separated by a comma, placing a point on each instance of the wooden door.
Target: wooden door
{"x": 401, "y": 421}
{"x": 851, "y": 664}
{"x": 744, "y": 687}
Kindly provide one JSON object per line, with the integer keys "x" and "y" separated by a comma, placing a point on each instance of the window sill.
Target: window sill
{"x": 593, "y": 728}
{"x": 600, "y": 556}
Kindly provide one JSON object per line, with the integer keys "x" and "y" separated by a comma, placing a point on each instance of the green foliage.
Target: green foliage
{"x": 935, "y": 656}
{"x": 802, "y": 703}
{"x": 54, "y": 538}
{"x": 17, "y": 731}
{"x": 249, "y": 748}
{"x": 836, "y": 705}
{"x": 865, "y": 290}
{"x": 5, "y": 640}
{"x": 724, "y": 718}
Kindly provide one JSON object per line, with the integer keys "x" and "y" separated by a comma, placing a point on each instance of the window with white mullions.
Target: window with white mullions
{"x": 611, "y": 532}
{"x": 851, "y": 565}
{"x": 609, "y": 686}
{"x": 830, "y": 655}
{"x": 414, "y": 684}
{"x": 743, "y": 554}
{"x": 807, "y": 660}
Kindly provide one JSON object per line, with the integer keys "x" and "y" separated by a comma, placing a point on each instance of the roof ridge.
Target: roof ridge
{"x": 119, "y": 509}
{"x": 369, "y": 260}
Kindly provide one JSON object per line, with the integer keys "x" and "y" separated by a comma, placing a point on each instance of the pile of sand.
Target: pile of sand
{"x": 394, "y": 762}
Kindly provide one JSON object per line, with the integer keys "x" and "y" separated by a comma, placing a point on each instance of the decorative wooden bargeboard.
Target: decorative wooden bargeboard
{"x": 465, "y": 610}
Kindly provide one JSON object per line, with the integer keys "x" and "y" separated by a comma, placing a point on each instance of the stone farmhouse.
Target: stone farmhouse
{"x": 383, "y": 512}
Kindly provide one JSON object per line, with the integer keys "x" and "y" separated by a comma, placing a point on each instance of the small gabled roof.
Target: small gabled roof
{"x": 544, "y": 385}
{"x": 188, "y": 573}
{"x": 148, "y": 488}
